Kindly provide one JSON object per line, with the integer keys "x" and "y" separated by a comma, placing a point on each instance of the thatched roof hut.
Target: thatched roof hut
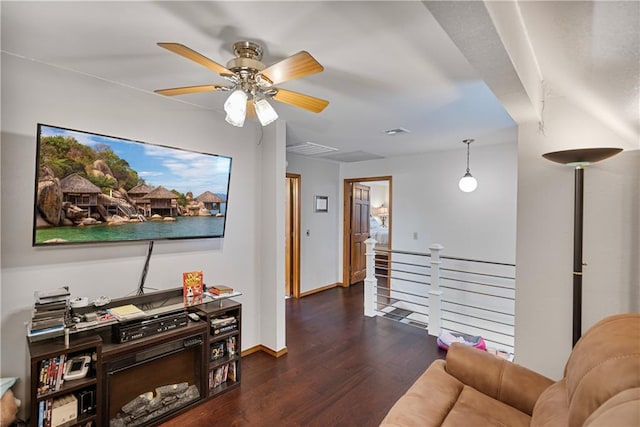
{"x": 137, "y": 194}
{"x": 209, "y": 197}
{"x": 210, "y": 200}
{"x": 80, "y": 191}
{"x": 74, "y": 183}
{"x": 139, "y": 190}
{"x": 162, "y": 202}
{"x": 161, "y": 193}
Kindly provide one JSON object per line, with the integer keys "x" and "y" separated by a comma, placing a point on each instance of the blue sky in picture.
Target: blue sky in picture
{"x": 173, "y": 168}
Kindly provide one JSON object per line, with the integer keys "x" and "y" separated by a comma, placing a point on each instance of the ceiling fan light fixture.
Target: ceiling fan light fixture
{"x": 265, "y": 112}
{"x": 236, "y": 108}
{"x": 251, "y": 80}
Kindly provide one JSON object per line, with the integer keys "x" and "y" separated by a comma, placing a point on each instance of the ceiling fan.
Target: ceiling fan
{"x": 251, "y": 82}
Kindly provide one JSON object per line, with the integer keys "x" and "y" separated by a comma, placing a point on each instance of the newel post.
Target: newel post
{"x": 370, "y": 280}
{"x": 435, "y": 294}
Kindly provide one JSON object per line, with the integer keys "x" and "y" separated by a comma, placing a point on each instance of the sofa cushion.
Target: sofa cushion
{"x": 507, "y": 382}
{"x": 438, "y": 399}
{"x": 477, "y": 409}
{"x": 428, "y": 401}
{"x": 622, "y": 410}
{"x": 552, "y": 407}
{"x": 604, "y": 362}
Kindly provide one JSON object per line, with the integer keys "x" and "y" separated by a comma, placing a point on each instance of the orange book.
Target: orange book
{"x": 192, "y": 285}
{"x": 220, "y": 289}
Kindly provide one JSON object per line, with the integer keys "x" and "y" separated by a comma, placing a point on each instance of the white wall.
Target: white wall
{"x": 33, "y": 92}
{"x": 611, "y": 280}
{"x": 426, "y": 200}
{"x": 319, "y": 258}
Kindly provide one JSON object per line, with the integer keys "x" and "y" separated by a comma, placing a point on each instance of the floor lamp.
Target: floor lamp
{"x": 578, "y": 159}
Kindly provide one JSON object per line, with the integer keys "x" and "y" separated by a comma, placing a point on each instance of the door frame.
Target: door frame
{"x": 346, "y": 219}
{"x": 295, "y": 230}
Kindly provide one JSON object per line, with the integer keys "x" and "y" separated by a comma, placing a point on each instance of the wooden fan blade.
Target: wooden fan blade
{"x": 299, "y": 65}
{"x": 191, "y": 54}
{"x": 296, "y": 99}
{"x": 187, "y": 89}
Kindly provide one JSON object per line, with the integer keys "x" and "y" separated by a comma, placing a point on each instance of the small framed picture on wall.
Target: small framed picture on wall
{"x": 322, "y": 204}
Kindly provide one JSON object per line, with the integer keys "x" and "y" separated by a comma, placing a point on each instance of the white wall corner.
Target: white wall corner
{"x": 272, "y": 231}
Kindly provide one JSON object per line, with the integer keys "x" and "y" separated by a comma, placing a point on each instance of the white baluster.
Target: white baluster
{"x": 435, "y": 294}
{"x": 370, "y": 281}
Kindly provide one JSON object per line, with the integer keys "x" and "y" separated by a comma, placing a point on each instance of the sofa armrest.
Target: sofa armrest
{"x": 500, "y": 379}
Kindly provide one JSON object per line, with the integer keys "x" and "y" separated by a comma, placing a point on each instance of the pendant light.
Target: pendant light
{"x": 468, "y": 183}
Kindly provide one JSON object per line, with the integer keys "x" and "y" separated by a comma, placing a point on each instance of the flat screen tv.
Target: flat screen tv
{"x": 93, "y": 188}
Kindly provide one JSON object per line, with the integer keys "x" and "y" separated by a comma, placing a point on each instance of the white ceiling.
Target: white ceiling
{"x": 387, "y": 64}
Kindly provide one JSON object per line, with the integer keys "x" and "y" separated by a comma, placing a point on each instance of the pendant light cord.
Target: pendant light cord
{"x": 468, "y": 157}
{"x": 468, "y": 141}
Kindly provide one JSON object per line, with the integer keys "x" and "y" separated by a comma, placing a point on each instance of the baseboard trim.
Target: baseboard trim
{"x": 265, "y": 349}
{"x": 315, "y": 291}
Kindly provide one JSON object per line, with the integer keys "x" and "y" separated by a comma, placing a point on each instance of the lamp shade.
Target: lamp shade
{"x": 265, "y": 112}
{"x": 581, "y": 156}
{"x": 380, "y": 211}
{"x": 236, "y": 108}
{"x": 468, "y": 183}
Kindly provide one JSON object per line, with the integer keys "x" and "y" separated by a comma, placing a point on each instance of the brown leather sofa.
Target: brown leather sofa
{"x": 600, "y": 387}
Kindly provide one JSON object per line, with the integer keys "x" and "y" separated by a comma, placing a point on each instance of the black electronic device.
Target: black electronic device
{"x": 86, "y": 401}
{"x": 124, "y": 332}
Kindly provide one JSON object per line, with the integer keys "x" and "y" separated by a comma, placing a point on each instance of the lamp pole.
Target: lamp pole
{"x": 578, "y": 209}
{"x": 578, "y": 159}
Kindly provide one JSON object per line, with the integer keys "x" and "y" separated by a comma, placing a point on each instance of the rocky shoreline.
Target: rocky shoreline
{"x": 53, "y": 211}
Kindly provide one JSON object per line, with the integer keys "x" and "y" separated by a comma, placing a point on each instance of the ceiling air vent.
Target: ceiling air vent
{"x": 353, "y": 156}
{"x": 310, "y": 149}
{"x": 396, "y": 131}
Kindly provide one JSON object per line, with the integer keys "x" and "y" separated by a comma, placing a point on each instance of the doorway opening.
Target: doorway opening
{"x": 292, "y": 236}
{"x": 367, "y": 210}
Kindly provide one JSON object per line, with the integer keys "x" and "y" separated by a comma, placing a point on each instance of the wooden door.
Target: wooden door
{"x": 292, "y": 235}
{"x": 288, "y": 279}
{"x": 359, "y": 231}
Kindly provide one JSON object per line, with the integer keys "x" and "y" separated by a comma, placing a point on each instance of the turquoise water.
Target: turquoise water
{"x": 183, "y": 227}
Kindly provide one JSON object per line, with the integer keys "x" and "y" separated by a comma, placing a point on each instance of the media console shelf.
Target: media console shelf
{"x": 224, "y": 320}
{"x": 190, "y": 363}
{"x": 49, "y": 389}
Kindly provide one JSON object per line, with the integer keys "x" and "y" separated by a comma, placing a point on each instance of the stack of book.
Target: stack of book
{"x": 50, "y": 311}
{"x": 220, "y": 375}
{"x": 51, "y": 376}
{"x": 58, "y": 412}
{"x": 220, "y": 290}
{"x": 222, "y": 325}
{"x": 127, "y": 312}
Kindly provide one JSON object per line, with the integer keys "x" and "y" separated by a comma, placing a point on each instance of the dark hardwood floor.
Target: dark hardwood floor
{"x": 341, "y": 369}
